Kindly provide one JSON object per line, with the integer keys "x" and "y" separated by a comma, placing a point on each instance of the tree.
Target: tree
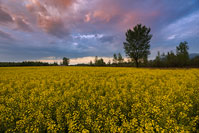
{"x": 194, "y": 62}
{"x": 109, "y": 63}
{"x": 99, "y": 62}
{"x": 120, "y": 59}
{"x": 137, "y": 43}
{"x": 96, "y": 59}
{"x": 55, "y": 64}
{"x": 182, "y": 54}
{"x": 114, "y": 59}
{"x": 171, "y": 59}
{"x": 157, "y": 60}
{"x": 182, "y": 48}
{"x": 91, "y": 63}
{"x": 66, "y": 61}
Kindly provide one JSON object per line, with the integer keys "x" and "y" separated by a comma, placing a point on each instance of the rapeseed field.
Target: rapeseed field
{"x": 98, "y": 99}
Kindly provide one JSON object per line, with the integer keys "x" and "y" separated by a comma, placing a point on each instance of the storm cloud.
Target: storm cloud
{"x": 79, "y": 28}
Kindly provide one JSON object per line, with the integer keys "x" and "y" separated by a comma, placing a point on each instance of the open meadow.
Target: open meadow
{"x": 98, "y": 99}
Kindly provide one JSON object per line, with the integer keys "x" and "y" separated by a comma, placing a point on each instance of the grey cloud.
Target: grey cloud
{"x": 107, "y": 39}
{"x": 4, "y": 16}
{"x": 5, "y": 36}
{"x": 22, "y": 25}
{"x": 53, "y": 27}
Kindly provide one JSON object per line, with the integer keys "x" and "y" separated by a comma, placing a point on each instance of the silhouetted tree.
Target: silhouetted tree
{"x": 96, "y": 59}
{"x": 182, "y": 54}
{"x": 66, "y": 61}
{"x": 55, "y": 64}
{"x": 109, "y": 63}
{"x": 137, "y": 43}
{"x": 194, "y": 62}
{"x": 157, "y": 60}
{"x": 115, "y": 58}
{"x": 171, "y": 60}
{"x": 180, "y": 59}
{"x": 91, "y": 63}
{"x": 120, "y": 59}
{"x": 99, "y": 62}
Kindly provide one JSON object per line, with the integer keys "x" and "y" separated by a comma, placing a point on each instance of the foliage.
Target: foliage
{"x": 115, "y": 59}
{"x": 182, "y": 54}
{"x": 180, "y": 59}
{"x": 99, "y": 62}
{"x": 137, "y": 43}
{"x": 26, "y": 63}
{"x": 66, "y": 61}
{"x": 194, "y": 62}
{"x": 86, "y": 99}
{"x": 118, "y": 60}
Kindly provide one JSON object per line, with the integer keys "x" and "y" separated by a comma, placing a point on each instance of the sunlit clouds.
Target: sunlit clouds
{"x": 35, "y": 29}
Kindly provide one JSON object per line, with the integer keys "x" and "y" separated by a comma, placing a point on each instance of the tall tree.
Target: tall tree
{"x": 66, "y": 61}
{"x": 114, "y": 58}
{"x": 99, "y": 62}
{"x": 120, "y": 58}
{"x": 171, "y": 59}
{"x": 157, "y": 60}
{"x": 194, "y": 62}
{"x": 182, "y": 54}
{"x": 182, "y": 48}
{"x": 137, "y": 43}
{"x": 90, "y": 63}
{"x": 96, "y": 59}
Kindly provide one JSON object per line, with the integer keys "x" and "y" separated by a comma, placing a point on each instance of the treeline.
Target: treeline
{"x": 180, "y": 58}
{"x": 25, "y": 63}
{"x": 117, "y": 61}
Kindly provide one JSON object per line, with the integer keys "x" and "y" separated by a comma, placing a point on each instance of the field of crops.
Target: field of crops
{"x": 91, "y": 99}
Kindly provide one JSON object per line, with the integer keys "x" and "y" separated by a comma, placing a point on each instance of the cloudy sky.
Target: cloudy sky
{"x": 51, "y": 29}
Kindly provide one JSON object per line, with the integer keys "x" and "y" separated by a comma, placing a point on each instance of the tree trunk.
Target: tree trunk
{"x": 136, "y": 63}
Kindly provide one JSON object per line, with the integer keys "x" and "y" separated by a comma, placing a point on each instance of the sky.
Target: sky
{"x": 81, "y": 29}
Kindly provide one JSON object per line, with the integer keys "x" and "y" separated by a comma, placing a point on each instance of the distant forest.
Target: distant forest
{"x": 25, "y": 63}
{"x": 162, "y": 60}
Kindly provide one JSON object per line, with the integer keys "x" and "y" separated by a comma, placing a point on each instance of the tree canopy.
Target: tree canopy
{"x": 137, "y": 43}
{"x": 66, "y": 61}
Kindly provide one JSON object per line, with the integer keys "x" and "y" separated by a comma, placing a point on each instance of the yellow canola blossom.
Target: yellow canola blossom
{"x": 98, "y": 99}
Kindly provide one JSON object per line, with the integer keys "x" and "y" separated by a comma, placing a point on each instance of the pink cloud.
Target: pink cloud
{"x": 22, "y": 24}
{"x": 60, "y": 3}
{"x": 53, "y": 26}
{"x": 87, "y": 17}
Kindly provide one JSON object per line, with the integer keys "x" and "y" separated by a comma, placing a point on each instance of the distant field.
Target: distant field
{"x": 83, "y": 99}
